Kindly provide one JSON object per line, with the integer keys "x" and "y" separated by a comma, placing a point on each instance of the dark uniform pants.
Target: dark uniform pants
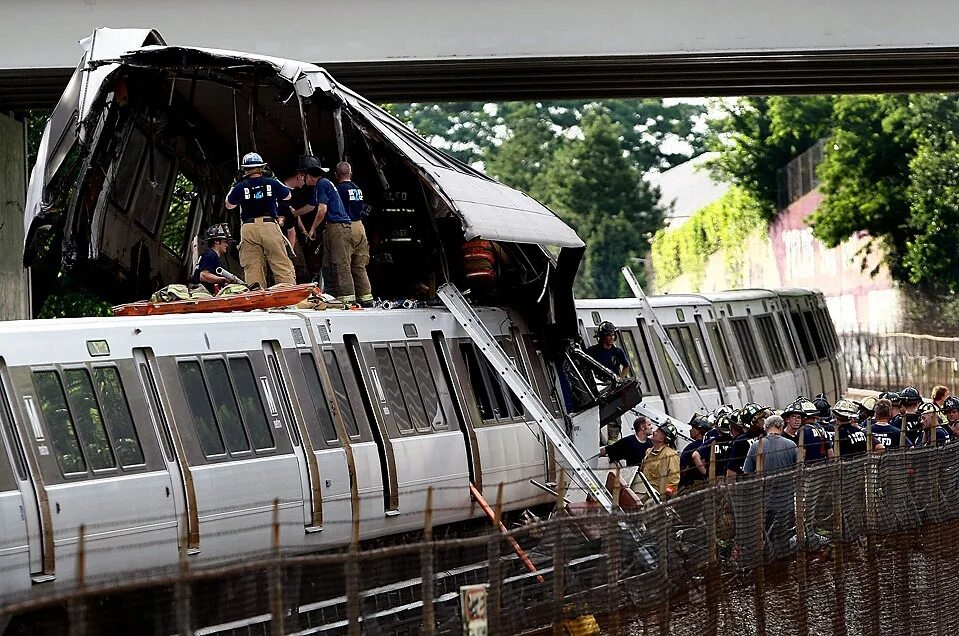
{"x": 346, "y": 253}
{"x": 262, "y": 245}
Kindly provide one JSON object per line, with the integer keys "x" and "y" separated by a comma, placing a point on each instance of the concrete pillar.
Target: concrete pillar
{"x": 14, "y": 279}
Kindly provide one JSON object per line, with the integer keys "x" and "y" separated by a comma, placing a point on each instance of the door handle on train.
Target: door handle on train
{"x": 58, "y": 507}
{"x": 168, "y": 491}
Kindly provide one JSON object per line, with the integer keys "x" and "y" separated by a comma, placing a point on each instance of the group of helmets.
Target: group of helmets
{"x": 724, "y": 418}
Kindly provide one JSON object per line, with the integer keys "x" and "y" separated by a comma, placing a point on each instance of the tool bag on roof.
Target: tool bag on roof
{"x": 179, "y": 292}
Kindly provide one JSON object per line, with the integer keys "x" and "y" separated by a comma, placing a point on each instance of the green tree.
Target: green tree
{"x": 758, "y": 136}
{"x": 593, "y": 185}
{"x": 521, "y": 159}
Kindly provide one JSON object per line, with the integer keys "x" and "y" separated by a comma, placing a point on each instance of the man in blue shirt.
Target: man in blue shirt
{"x": 346, "y": 252}
{"x": 218, "y": 242}
{"x": 607, "y": 353}
{"x": 261, "y": 241}
{"x": 631, "y": 448}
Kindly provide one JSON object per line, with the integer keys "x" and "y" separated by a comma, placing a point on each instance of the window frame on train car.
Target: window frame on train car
{"x": 257, "y": 394}
{"x": 825, "y": 324}
{"x": 540, "y": 373}
{"x": 8, "y": 479}
{"x": 715, "y": 332}
{"x": 351, "y": 420}
{"x": 805, "y": 343}
{"x": 787, "y": 334}
{"x": 318, "y": 398}
{"x": 490, "y": 382}
{"x": 753, "y": 362}
{"x": 674, "y": 381}
{"x": 124, "y": 406}
{"x": 775, "y": 351}
{"x": 89, "y": 425}
{"x": 819, "y": 343}
{"x": 83, "y": 471}
{"x": 418, "y": 373}
{"x": 10, "y": 428}
{"x": 692, "y": 355}
{"x": 390, "y": 395}
{"x": 157, "y": 415}
{"x": 637, "y": 360}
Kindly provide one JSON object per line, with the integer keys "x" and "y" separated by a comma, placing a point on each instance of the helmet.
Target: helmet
{"x": 669, "y": 431}
{"x": 606, "y": 328}
{"x": 951, "y": 404}
{"x": 749, "y": 412}
{"x": 310, "y": 165}
{"x": 868, "y": 405}
{"x": 218, "y": 232}
{"x": 927, "y": 407}
{"x": 722, "y": 423}
{"x": 822, "y": 405}
{"x": 892, "y": 396}
{"x": 845, "y": 409}
{"x": 910, "y": 394}
{"x": 796, "y": 408}
{"x": 252, "y": 160}
{"x": 700, "y": 422}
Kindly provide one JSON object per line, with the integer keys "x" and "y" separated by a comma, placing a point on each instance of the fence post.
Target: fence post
{"x": 559, "y": 560}
{"x": 352, "y": 573}
{"x": 839, "y": 569}
{"x": 612, "y": 561}
{"x": 760, "y": 587}
{"x": 872, "y": 527}
{"x": 426, "y": 567}
{"x": 77, "y": 606}
{"x": 801, "y": 539}
{"x": 277, "y": 611}
{"x": 494, "y": 597}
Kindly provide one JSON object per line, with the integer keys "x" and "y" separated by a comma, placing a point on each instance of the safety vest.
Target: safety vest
{"x": 479, "y": 261}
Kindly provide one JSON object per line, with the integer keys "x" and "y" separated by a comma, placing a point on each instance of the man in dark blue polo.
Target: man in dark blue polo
{"x": 218, "y": 241}
{"x": 261, "y": 240}
{"x": 607, "y": 353}
{"x": 340, "y": 240}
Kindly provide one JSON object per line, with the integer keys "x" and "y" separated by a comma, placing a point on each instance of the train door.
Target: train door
{"x": 101, "y": 467}
{"x": 833, "y": 371}
{"x": 744, "y": 369}
{"x": 710, "y": 354}
{"x": 810, "y": 357}
{"x": 687, "y": 341}
{"x": 643, "y": 371}
{"x": 16, "y": 505}
{"x": 668, "y": 380}
{"x": 736, "y": 392}
{"x": 184, "y": 495}
{"x": 782, "y": 379}
{"x": 240, "y": 456}
{"x": 792, "y": 344}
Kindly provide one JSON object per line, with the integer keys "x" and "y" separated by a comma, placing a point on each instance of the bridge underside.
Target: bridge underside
{"x": 717, "y": 74}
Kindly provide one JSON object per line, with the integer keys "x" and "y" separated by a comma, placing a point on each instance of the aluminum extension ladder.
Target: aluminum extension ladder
{"x": 578, "y": 469}
{"x": 660, "y": 333}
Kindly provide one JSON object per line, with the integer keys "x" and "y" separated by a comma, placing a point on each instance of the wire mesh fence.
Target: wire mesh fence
{"x": 859, "y": 546}
{"x": 890, "y": 361}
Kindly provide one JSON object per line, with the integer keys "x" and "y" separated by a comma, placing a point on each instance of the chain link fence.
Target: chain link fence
{"x": 890, "y": 361}
{"x": 861, "y": 546}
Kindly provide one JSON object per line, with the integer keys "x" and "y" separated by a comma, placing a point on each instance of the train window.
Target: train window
{"x": 682, "y": 340}
{"x": 389, "y": 383}
{"x": 63, "y": 433}
{"x": 146, "y": 376}
{"x": 225, "y": 405}
{"x": 639, "y": 365}
{"x": 825, "y": 324}
{"x": 595, "y": 316}
{"x": 818, "y": 343}
{"x": 767, "y": 331}
{"x": 318, "y": 398}
{"x": 89, "y": 420}
{"x": 722, "y": 352}
{"x": 673, "y": 379}
{"x": 126, "y": 174}
{"x": 339, "y": 392}
{"x": 6, "y": 419}
{"x": 747, "y": 346}
{"x": 199, "y": 401}
{"x": 808, "y": 355}
{"x": 251, "y": 404}
{"x": 7, "y": 482}
{"x": 116, "y": 415}
{"x": 477, "y": 381}
{"x": 786, "y": 334}
{"x": 153, "y": 186}
{"x": 489, "y": 390}
{"x": 427, "y": 386}
{"x": 177, "y": 221}
{"x": 410, "y": 388}
{"x": 515, "y": 406}
{"x": 680, "y": 316}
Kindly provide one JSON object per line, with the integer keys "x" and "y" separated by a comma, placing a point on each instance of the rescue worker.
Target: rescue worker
{"x": 909, "y": 419}
{"x": 661, "y": 463}
{"x": 931, "y": 432}
{"x": 357, "y": 209}
{"x": 752, "y": 418}
{"x": 852, "y": 439}
{"x": 218, "y": 239}
{"x": 885, "y": 436}
{"x": 950, "y": 408}
{"x": 607, "y": 353}
{"x": 291, "y": 214}
{"x": 939, "y": 395}
{"x": 689, "y": 475}
{"x": 720, "y": 439}
{"x": 632, "y": 448}
{"x": 779, "y": 453}
{"x": 867, "y": 411}
{"x": 346, "y": 252}
{"x": 801, "y": 420}
{"x": 261, "y": 240}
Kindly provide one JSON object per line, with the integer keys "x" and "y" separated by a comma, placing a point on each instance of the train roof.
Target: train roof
{"x": 740, "y": 294}
{"x": 669, "y": 300}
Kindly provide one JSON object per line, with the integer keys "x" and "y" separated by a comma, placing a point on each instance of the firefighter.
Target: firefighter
{"x": 218, "y": 239}
{"x": 661, "y": 464}
{"x": 607, "y": 353}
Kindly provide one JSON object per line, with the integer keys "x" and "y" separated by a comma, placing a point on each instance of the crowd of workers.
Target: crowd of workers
{"x": 732, "y": 443}
{"x": 303, "y": 229}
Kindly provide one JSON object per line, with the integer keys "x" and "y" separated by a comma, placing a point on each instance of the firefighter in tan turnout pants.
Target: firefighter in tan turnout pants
{"x": 261, "y": 240}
